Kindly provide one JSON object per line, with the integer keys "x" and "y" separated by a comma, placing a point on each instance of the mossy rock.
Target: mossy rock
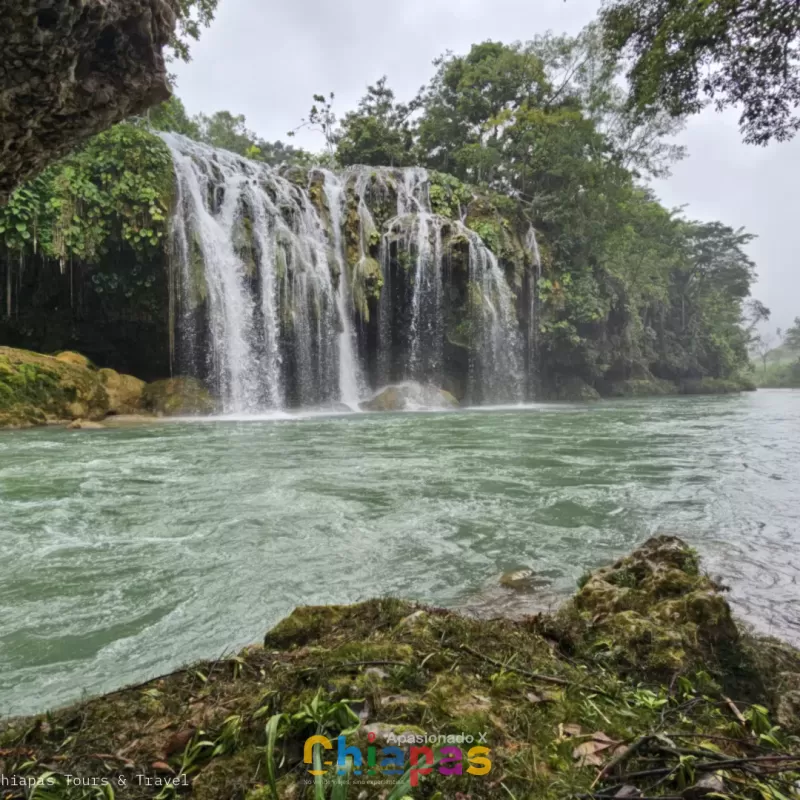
{"x": 646, "y": 387}
{"x": 712, "y": 386}
{"x": 652, "y": 611}
{"x": 409, "y": 397}
{"x": 386, "y": 669}
{"x": 36, "y": 388}
{"x": 571, "y": 390}
{"x": 178, "y": 397}
{"x": 69, "y": 357}
{"x": 22, "y": 416}
{"x": 303, "y": 625}
{"x": 125, "y": 392}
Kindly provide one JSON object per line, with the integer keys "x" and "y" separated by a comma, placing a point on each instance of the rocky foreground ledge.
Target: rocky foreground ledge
{"x": 642, "y": 685}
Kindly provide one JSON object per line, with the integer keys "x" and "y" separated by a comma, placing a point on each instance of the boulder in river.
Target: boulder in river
{"x": 177, "y": 397}
{"x": 653, "y": 610}
{"x": 85, "y": 425}
{"x": 521, "y": 579}
{"x": 410, "y": 396}
{"x": 124, "y": 392}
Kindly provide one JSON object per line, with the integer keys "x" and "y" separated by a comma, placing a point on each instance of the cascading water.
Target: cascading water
{"x": 351, "y": 386}
{"x": 532, "y": 246}
{"x": 251, "y": 244}
{"x": 305, "y": 288}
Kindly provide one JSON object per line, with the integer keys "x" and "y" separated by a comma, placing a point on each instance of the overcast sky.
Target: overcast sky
{"x": 266, "y": 59}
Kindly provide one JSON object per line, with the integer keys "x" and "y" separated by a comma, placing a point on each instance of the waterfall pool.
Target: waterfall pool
{"x": 127, "y": 552}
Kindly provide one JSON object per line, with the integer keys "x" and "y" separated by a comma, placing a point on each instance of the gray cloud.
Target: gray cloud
{"x": 266, "y": 59}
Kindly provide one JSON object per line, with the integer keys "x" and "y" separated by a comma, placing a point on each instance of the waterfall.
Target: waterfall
{"x": 251, "y": 244}
{"x": 532, "y": 246}
{"x": 208, "y": 212}
{"x": 307, "y": 287}
{"x": 350, "y": 381}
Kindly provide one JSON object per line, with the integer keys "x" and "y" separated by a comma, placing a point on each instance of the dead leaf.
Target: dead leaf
{"x": 586, "y": 754}
{"x": 534, "y": 698}
{"x": 178, "y": 741}
{"x": 571, "y": 730}
{"x": 594, "y": 751}
{"x": 628, "y": 792}
{"x": 161, "y": 766}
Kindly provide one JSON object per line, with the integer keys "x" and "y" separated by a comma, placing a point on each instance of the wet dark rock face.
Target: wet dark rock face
{"x": 71, "y": 68}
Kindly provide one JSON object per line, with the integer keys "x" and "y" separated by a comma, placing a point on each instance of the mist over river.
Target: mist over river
{"x": 127, "y": 552}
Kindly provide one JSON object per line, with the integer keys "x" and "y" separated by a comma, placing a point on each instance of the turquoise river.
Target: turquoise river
{"x": 127, "y": 552}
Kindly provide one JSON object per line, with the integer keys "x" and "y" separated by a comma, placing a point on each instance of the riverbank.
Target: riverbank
{"x": 67, "y": 389}
{"x": 576, "y": 390}
{"x": 641, "y": 683}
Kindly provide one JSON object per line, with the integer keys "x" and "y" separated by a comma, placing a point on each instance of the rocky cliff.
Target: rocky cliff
{"x": 70, "y": 69}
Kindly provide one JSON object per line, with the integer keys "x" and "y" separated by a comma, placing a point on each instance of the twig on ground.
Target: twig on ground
{"x": 349, "y": 664}
{"x": 536, "y": 676}
{"x": 735, "y": 710}
{"x": 620, "y": 759}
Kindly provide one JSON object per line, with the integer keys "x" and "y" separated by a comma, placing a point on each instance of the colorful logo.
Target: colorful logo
{"x": 392, "y": 760}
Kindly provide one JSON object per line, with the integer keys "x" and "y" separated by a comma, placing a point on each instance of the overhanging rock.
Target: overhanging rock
{"x": 71, "y": 68}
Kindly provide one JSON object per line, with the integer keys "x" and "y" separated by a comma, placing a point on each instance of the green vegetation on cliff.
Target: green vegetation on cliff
{"x": 523, "y": 142}
{"x": 641, "y": 685}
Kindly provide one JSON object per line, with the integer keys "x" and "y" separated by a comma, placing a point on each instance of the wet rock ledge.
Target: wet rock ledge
{"x": 641, "y": 685}
{"x": 70, "y": 69}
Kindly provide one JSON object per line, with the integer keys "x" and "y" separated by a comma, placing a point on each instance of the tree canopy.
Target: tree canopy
{"x": 193, "y": 16}
{"x": 685, "y": 54}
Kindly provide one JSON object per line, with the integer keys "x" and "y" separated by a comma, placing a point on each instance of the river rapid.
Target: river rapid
{"x": 127, "y": 552}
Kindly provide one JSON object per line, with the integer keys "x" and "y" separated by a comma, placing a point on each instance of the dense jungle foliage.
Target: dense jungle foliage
{"x": 628, "y": 290}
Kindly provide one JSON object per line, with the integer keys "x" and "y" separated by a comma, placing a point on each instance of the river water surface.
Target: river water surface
{"x": 127, "y": 552}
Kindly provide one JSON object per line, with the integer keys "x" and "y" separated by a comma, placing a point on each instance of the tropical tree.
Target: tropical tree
{"x": 193, "y": 16}
{"x": 379, "y": 132}
{"x": 792, "y": 336}
{"x": 686, "y": 54}
{"x": 321, "y": 119}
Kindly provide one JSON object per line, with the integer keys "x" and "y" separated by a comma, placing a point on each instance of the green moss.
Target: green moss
{"x": 35, "y": 388}
{"x": 178, "y": 397}
{"x": 642, "y": 388}
{"x": 366, "y": 285}
{"x": 652, "y": 611}
{"x": 198, "y": 288}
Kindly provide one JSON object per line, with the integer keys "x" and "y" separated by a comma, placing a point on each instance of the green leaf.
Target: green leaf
{"x": 340, "y": 782}
{"x": 319, "y": 780}
{"x": 272, "y": 738}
